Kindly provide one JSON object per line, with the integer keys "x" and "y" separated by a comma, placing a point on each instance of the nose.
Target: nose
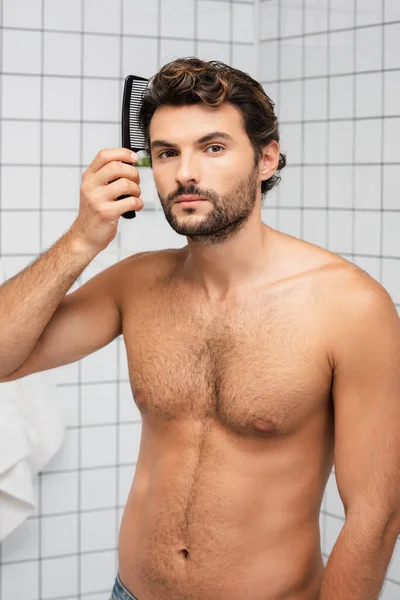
{"x": 188, "y": 171}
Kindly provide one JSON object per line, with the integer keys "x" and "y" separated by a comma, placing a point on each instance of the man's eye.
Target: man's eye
{"x": 213, "y": 146}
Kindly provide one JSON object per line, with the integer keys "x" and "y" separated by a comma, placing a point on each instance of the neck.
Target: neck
{"x": 222, "y": 269}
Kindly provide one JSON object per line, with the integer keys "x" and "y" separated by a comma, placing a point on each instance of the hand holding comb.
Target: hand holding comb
{"x": 132, "y": 136}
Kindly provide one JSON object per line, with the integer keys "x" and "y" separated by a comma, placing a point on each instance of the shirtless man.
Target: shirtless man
{"x": 255, "y": 359}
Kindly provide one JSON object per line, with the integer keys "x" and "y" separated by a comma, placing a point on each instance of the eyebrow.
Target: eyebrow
{"x": 205, "y": 138}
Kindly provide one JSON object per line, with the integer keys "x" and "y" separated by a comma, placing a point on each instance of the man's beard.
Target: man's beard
{"x": 226, "y": 218}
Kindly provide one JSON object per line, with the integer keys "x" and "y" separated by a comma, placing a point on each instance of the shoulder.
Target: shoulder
{"x": 139, "y": 272}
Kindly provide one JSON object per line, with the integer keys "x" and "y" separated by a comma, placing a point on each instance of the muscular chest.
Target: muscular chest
{"x": 256, "y": 369}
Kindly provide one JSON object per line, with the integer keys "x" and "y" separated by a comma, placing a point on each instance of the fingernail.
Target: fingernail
{"x": 134, "y": 156}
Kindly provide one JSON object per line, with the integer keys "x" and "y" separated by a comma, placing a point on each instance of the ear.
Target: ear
{"x": 269, "y": 161}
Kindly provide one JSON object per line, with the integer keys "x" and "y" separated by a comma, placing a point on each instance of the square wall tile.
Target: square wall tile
{"x": 99, "y": 404}
{"x": 315, "y": 186}
{"x": 98, "y": 446}
{"x": 367, "y": 186}
{"x": 391, "y": 82}
{"x": 391, "y": 44}
{"x": 341, "y": 45}
{"x": 20, "y": 97}
{"x": 243, "y": 23}
{"x": 22, "y": 13}
{"x": 334, "y": 503}
{"x": 392, "y": 10}
{"x": 97, "y": 136}
{"x": 341, "y": 186}
{"x": 59, "y": 492}
{"x": 213, "y": 51}
{"x": 102, "y": 365}
{"x": 171, "y": 49}
{"x": 102, "y": 16}
{"x": 391, "y": 134}
{"x": 101, "y": 56}
{"x": 244, "y": 57}
{"x": 290, "y": 187}
{"x": 98, "y": 571}
{"x": 98, "y": 488}
{"x": 61, "y": 98}
{"x": 183, "y": 24}
{"x": 59, "y": 574}
{"x": 291, "y": 18}
{"x": 59, "y": 14}
{"x": 128, "y": 411}
{"x": 316, "y": 16}
{"x": 11, "y": 195}
{"x": 269, "y": 61}
{"x": 369, "y": 12}
{"x": 342, "y": 14}
{"x": 341, "y": 142}
{"x": 59, "y": 535}
{"x": 16, "y": 61}
{"x": 316, "y": 55}
{"x": 391, "y": 234}
{"x": 20, "y": 233}
{"x": 314, "y": 227}
{"x": 140, "y": 17}
{"x": 20, "y": 580}
{"x": 290, "y": 222}
{"x": 61, "y": 187}
{"x": 102, "y": 100}
{"x": 98, "y": 530}
{"x": 340, "y": 231}
{"x": 315, "y": 146}
{"x": 62, "y": 53}
{"x": 367, "y": 232}
{"x": 268, "y": 20}
{"x": 139, "y": 57}
{"x": 369, "y": 49}
{"x": 341, "y": 97}
{"x": 213, "y": 20}
{"x": 369, "y": 95}
{"x": 14, "y": 148}
{"x": 290, "y": 101}
{"x": 316, "y": 105}
{"x": 61, "y": 143}
{"x": 291, "y": 58}
{"x": 291, "y": 142}
{"x": 54, "y": 225}
{"x": 391, "y": 198}
{"x": 368, "y": 141}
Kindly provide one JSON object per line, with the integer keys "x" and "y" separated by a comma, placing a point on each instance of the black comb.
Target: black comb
{"x": 132, "y": 136}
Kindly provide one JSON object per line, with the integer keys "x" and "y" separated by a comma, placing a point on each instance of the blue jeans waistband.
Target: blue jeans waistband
{"x": 119, "y": 591}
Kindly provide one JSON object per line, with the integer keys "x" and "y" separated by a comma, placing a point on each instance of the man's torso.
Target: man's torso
{"x": 237, "y": 432}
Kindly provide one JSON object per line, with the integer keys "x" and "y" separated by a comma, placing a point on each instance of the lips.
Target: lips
{"x": 189, "y": 199}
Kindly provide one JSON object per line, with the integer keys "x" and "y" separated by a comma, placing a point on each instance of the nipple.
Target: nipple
{"x": 264, "y": 426}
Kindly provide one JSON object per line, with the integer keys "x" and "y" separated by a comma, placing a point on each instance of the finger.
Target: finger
{"x": 107, "y": 155}
{"x": 114, "y": 170}
{"x": 121, "y": 187}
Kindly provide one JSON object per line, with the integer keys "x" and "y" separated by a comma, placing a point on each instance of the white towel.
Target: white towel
{"x": 32, "y": 429}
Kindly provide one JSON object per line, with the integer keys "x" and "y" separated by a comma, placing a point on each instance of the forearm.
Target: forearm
{"x": 358, "y": 563}
{"x": 29, "y": 299}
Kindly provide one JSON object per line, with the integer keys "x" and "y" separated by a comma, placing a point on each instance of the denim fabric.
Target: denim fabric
{"x": 119, "y": 591}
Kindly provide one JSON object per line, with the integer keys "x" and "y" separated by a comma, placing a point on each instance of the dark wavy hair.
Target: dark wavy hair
{"x": 192, "y": 80}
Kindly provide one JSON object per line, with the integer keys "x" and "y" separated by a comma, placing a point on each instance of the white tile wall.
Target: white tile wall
{"x": 349, "y": 159}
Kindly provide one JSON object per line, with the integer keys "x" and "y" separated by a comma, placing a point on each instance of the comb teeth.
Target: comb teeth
{"x": 136, "y": 137}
